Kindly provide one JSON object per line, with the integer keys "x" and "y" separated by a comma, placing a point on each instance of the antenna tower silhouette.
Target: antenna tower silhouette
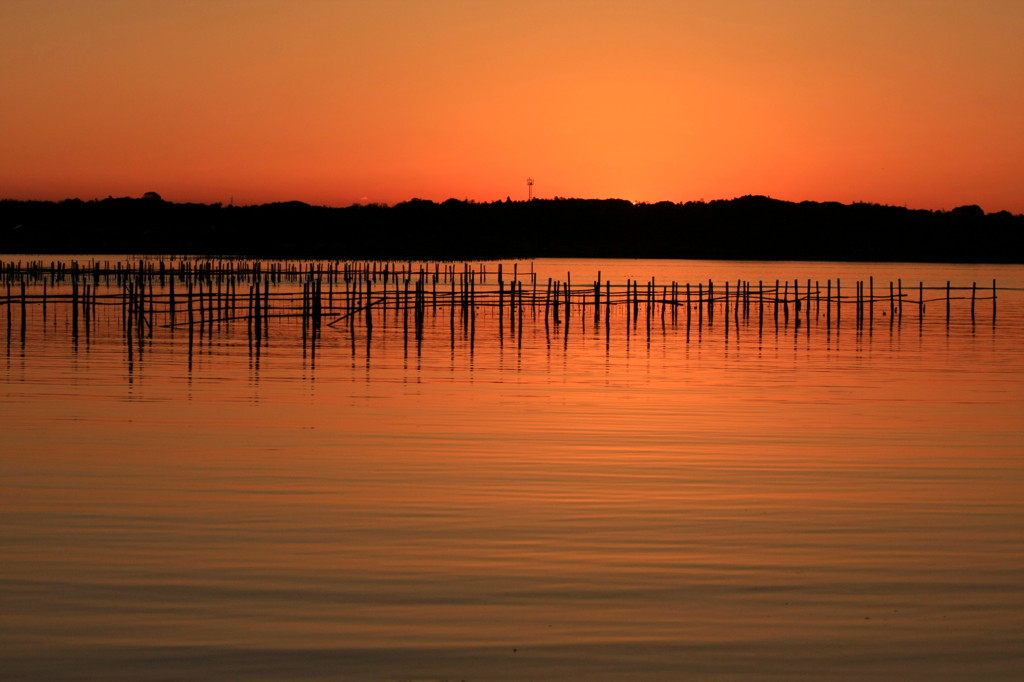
{"x": 529, "y": 189}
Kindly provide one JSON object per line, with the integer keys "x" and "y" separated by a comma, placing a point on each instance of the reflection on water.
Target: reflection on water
{"x": 650, "y": 495}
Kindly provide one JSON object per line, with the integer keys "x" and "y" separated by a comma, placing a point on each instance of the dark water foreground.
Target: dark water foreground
{"x": 449, "y": 498}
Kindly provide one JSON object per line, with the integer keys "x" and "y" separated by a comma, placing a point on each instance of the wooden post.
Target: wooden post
{"x": 993, "y": 302}
{"x": 776, "y": 301}
{"x": 807, "y": 302}
{"x": 266, "y": 307}
{"x": 725, "y": 308}
{"x": 369, "y": 304}
{"x": 688, "y": 304}
{"x": 650, "y": 307}
{"x": 501, "y": 299}
{"x": 88, "y": 310}
{"x": 512, "y": 307}
{"x": 839, "y": 303}
{"x": 871, "y": 301}
{"x": 317, "y": 306}
{"x": 785, "y": 303}
{"x": 191, "y": 314}
{"x": 74, "y": 306}
{"x": 947, "y": 302}
{"x": 202, "y": 314}
{"x": 129, "y": 299}
{"x": 797, "y": 304}
{"x": 738, "y": 303}
{"x": 556, "y": 301}
{"x": 249, "y": 314}
{"x": 125, "y": 308}
{"x": 859, "y": 306}
{"x": 304, "y": 314}
{"x": 519, "y": 321}
{"x": 760, "y": 304}
{"x": 899, "y": 291}
{"x": 974, "y": 293}
{"x": 700, "y": 305}
{"x": 568, "y": 293}
{"x": 607, "y": 302}
{"x": 170, "y": 299}
{"x": 472, "y": 311}
{"x": 664, "y": 300}
{"x": 23, "y": 314}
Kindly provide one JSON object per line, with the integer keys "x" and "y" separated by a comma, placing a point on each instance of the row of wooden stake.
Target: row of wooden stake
{"x": 198, "y": 304}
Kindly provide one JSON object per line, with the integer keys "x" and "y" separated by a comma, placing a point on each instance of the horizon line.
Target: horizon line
{"x": 231, "y": 204}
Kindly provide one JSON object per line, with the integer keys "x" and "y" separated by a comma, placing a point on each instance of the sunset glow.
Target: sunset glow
{"x": 916, "y": 103}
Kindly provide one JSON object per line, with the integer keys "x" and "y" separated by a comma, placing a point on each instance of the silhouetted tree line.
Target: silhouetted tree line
{"x": 750, "y": 227}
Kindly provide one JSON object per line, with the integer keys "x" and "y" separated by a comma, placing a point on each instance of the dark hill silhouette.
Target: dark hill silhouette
{"x": 749, "y": 227}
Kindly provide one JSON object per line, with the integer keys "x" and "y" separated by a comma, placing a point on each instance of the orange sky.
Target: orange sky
{"x": 917, "y": 102}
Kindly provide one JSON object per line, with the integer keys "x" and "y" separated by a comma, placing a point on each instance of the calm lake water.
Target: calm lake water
{"x": 748, "y": 499}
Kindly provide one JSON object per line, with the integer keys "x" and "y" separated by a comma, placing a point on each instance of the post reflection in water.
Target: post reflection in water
{"x": 439, "y": 471}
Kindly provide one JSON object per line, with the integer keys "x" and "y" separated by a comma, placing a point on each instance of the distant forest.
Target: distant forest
{"x": 750, "y": 228}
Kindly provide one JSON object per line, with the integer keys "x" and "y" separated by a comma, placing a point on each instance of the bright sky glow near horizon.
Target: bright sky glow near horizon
{"x": 917, "y": 103}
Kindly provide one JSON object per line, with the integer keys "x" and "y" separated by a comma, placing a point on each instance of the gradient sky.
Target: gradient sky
{"x": 905, "y": 102}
